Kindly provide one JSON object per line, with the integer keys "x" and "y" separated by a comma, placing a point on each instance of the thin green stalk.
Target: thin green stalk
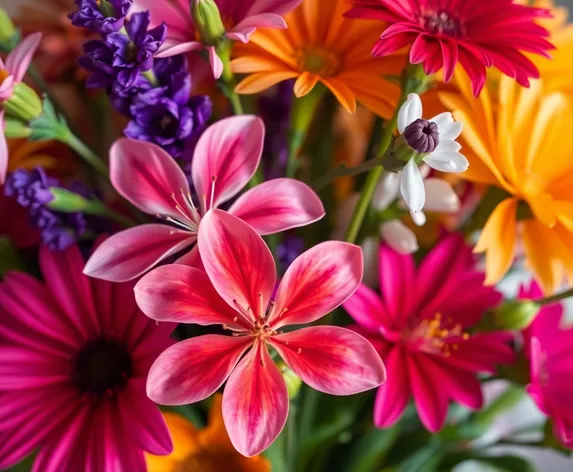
{"x": 86, "y": 153}
{"x": 290, "y": 444}
{"x": 555, "y": 298}
{"x": 227, "y": 80}
{"x": 413, "y": 80}
{"x": 119, "y": 218}
{"x": 302, "y": 114}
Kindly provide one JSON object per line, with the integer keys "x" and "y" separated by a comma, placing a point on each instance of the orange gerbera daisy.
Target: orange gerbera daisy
{"x": 523, "y": 145}
{"x": 321, "y": 45}
{"x": 205, "y": 450}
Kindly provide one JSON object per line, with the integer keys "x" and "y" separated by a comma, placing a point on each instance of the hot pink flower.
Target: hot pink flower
{"x": 475, "y": 33}
{"x": 11, "y": 73}
{"x": 241, "y": 18}
{"x": 74, "y": 357}
{"x": 418, "y": 329}
{"x": 236, "y": 292}
{"x": 549, "y": 347}
{"x": 226, "y": 157}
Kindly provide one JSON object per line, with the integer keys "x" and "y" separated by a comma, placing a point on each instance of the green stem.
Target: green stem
{"x": 86, "y": 153}
{"x": 413, "y": 80}
{"x": 343, "y": 171}
{"x": 227, "y": 80}
{"x": 302, "y": 113}
{"x": 290, "y": 444}
{"x": 555, "y": 298}
{"x": 119, "y": 218}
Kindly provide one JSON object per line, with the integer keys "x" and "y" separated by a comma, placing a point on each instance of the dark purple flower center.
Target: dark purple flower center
{"x": 441, "y": 23}
{"x": 422, "y": 136}
{"x": 102, "y": 367}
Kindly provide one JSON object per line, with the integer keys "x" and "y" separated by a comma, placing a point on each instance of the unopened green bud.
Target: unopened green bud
{"x": 208, "y": 21}
{"x": 15, "y": 128}
{"x": 71, "y": 202}
{"x": 515, "y": 314}
{"x": 292, "y": 380}
{"x": 24, "y": 104}
{"x": 9, "y": 35}
{"x": 106, "y": 8}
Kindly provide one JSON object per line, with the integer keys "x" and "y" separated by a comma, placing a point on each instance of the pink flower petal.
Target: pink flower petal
{"x": 317, "y": 282}
{"x": 183, "y": 294}
{"x": 71, "y": 289}
{"x": 144, "y": 421}
{"x": 128, "y": 254}
{"x": 278, "y": 205}
{"x": 331, "y": 359}
{"x": 19, "y": 59}
{"x": 461, "y": 386}
{"x": 149, "y": 178}
{"x": 226, "y": 157}
{"x": 192, "y": 370}
{"x": 7, "y": 88}
{"x": 279, "y": 7}
{"x": 393, "y": 396}
{"x": 238, "y": 262}
{"x": 367, "y": 309}
{"x": 215, "y": 62}
{"x": 3, "y": 150}
{"x": 397, "y": 273}
{"x": 179, "y": 48}
{"x": 255, "y": 403}
{"x": 249, "y": 25}
{"x": 430, "y": 400}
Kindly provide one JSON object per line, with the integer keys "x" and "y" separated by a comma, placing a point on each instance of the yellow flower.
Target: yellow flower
{"x": 204, "y": 450}
{"x": 321, "y": 45}
{"x": 522, "y": 144}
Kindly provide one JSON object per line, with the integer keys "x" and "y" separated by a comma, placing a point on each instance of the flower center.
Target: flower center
{"x": 318, "y": 61}
{"x": 102, "y": 366}
{"x": 422, "y": 136}
{"x": 435, "y": 336}
{"x": 4, "y": 74}
{"x": 441, "y": 23}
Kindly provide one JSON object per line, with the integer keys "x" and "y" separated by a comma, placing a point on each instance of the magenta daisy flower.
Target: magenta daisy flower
{"x": 474, "y": 33}
{"x": 74, "y": 358}
{"x": 420, "y": 327}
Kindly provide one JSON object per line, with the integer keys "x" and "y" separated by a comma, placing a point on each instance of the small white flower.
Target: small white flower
{"x": 436, "y": 138}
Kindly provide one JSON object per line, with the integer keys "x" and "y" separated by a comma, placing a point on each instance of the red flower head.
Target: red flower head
{"x": 475, "y": 33}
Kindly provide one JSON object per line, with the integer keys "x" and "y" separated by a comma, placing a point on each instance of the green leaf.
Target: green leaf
{"x": 370, "y": 450}
{"x": 49, "y": 125}
{"x": 506, "y": 463}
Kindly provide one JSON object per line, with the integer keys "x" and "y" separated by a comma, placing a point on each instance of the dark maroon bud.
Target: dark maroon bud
{"x": 422, "y": 136}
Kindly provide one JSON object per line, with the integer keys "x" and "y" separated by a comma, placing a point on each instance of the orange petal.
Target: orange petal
{"x": 260, "y": 81}
{"x": 497, "y": 240}
{"x": 305, "y": 83}
{"x": 342, "y": 92}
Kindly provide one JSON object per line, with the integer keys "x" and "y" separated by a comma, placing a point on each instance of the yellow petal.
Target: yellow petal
{"x": 498, "y": 240}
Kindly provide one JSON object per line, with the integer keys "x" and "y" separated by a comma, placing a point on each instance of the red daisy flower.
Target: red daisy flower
{"x": 475, "y": 33}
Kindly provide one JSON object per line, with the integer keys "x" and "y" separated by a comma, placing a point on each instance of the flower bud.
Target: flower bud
{"x": 293, "y": 381}
{"x": 24, "y": 104}
{"x": 515, "y": 314}
{"x": 208, "y": 21}
{"x": 106, "y": 8}
{"x": 67, "y": 201}
{"x": 9, "y": 35}
{"x": 15, "y": 128}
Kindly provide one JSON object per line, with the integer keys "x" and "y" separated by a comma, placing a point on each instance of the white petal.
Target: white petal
{"x": 419, "y": 218}
{"x": 447, "y": 127}
{"x": 412, "y": 186}
{"x": 370, "y": 250}
{"x": 386, "y": 191}
{"x": 447, "y": 161}
{"x": 409, "y": 112}
{"x": 440, "y": 196}
{"x": 448, "y": 145}
{"x": 399, "y": 237}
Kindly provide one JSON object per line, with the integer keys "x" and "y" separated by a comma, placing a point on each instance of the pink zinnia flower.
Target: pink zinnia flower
{"x": 236, "y": 292}
{"x": 475, "y": 33}
{"x": 241, "y": 18}
{"x": 11, "y": 73}
{"x": 74, "y": 357}
{"x": 549, "y": 347}
{"x": 226, "y": 157}
{"x": 418, "y": 327}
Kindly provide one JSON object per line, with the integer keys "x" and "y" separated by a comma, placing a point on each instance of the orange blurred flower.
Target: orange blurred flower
{"x": 205, "y": 450}
{"x": 321, "y": 45}
{"x": 24, "y": 154}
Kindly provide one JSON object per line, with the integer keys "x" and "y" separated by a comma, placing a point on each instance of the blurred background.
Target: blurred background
{"x": 523, "y": 415}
